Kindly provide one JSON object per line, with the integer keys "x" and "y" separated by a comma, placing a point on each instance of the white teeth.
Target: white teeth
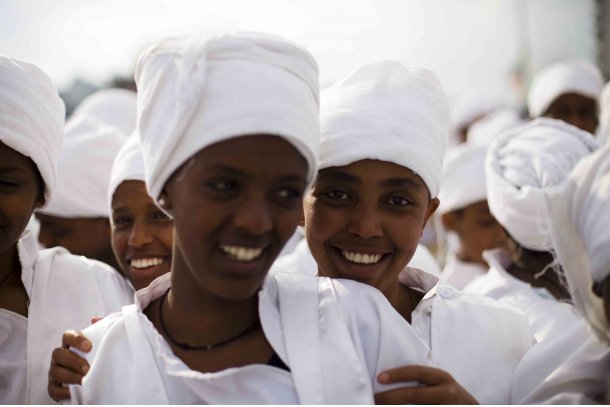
{"x": 146, "y": 263}
{"x": 361, "y": 258}
{"x": 242, "y": 253}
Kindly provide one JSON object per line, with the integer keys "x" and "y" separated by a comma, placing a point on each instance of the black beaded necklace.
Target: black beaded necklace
{"x": 186, "y": 346}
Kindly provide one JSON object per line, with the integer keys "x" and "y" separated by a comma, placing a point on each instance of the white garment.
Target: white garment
{"x": 478, "y": 340}
{"x": 459, "y": 273}
{"x": 197, "y": 91}
{"x": 13, "y": 361}
{"x": 31, "y": 117}
{"x": 580, "y": 218}
{"x": 84, "y": 164}
{"x": 65, "y": 292}
{"x": 567, "y": 357}
{"x": 336, "y": 336}
{"x": 115, "y": 107}
{"x": 388, "y": 112}
{"x": 128, "y": 165}
{"x": 463, "y": 180}
{"x": 603, "y": 130}
{"x": 566, "y": 76}
{"x": 521, "y": 164}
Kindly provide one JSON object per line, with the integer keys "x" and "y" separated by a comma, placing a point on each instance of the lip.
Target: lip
{"x": 355, "y": 271}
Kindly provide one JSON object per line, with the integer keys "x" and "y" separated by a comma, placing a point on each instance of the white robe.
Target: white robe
{"x": 65, "y": 292}
{"x": 478, "y": 340}
{"x": 568, "y": 358}
{"x": 459, "y": 273}
{"x": 335, "y": 335}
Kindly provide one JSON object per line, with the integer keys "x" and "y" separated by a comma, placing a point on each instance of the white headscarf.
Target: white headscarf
{"x": 115, "y": 107}
{"x": 603, "y": 130}
{"x": 484, "y": 131}
{"x": 31, "y": 117}
{"x": 463, "y": 180}
{"x": 197, "y": 91}
{"x": 567, "y": 76}
{"x": 386, "y": 111}
{"x": 467, "y": 109}
{"x": 580, "y": 213}
{"x": 84, "y": 167}
{"x": 128, "y": 165}
{"x": 522, "y": 163}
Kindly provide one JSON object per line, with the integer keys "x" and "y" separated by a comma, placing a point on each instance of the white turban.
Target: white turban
{"x": 463, "y": 180}
{"x": 468, "y": 108}
{"x": 31, "y": 117}
{"x": 580, "y": 213}
{"x": 115, "y": 107}
{"x": 522, "y": 163}
{"x": 567, "y": 76}
{"x": 194, "y": 92}
{"x": 386, "y": 111}
{"x": 84, "y": 167}
{"x": 603, "y": 131}
{"x": 484, "y": 131}
{"x": 128, "y": 165}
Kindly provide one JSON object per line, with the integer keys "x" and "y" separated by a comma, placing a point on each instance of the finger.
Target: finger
{"x": 69, "y": 360}
{"x": 62, "y": 376}
{"x": 96, "y": 319}
{"x": 57, "y": 392}
{"x": 76, "y": 340}
{"x": 423, "y": 374}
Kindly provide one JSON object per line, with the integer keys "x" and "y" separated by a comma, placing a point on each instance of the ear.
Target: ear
{"x": 302, "y": 216}
{"x": 449, "y": 221}
{"x": 432, "y": 207}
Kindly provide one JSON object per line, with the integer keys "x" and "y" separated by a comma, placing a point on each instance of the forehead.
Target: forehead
{"x": 130, "y": 192}
{"x": 14, "y": 160}
{"x": 369, "y": 171}
{"x": 573, "y": 99}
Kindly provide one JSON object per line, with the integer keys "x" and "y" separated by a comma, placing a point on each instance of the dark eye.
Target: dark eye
{"x": 160, "y": 216}
{"x": 337, "y": 195}
{"x": 8, "y": 183}
{"x": 222, "y": 185}
{"x": 119, "y": 221}
{"x": 288, "y": 193}
{"x": 398, "y": 201}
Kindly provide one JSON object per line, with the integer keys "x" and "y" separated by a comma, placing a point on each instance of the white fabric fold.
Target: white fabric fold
{"x": 484, "y": 131}
{"x": 463, "y": 181}
{"x": 128, "y": 165}
{"x": 580, "y": 213}
{"x": 562, "y": 77}
{"x": 200, "y": 90}
{"x": 603, "y": 130}
{"x": 85, "y": 160}
{"x": 386, "y": 111}
{"x": 115, "y": 107}
{"x": 31, "y": 117}
{"x": 521, "y": 164}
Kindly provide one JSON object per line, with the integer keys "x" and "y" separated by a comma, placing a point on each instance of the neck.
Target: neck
{"x": 9, "y": 261}
{"x": 399, "y": 296}
{"x": 549, "y": 280}
{"x": 462, "y": 256}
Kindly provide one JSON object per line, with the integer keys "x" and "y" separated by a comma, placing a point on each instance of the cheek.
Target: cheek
{"x": 165, "y": 235}
{"x": 119, "y": 244}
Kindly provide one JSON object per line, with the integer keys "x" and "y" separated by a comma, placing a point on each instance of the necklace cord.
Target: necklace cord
{"x": 189, "y": 347}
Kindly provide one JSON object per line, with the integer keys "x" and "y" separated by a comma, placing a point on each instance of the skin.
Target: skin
{"x": 89, "y": 237}
{"x": 477, "y": 230}
{"x": 377, "y": 207}
{"x": 140, "y": 230}
{"x": 575, "y": 109}
{"x": 602, "y": 290}
{"x": 21, "y": 191}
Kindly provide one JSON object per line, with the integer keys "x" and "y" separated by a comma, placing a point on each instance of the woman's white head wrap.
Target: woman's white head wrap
{"x": 521, "y": 164}
{"x": 115, "y": 107}
{"x": 128, "y": 165}
{"x": 84, "y": 167}
{"x": 567, "y": 76}
{"x": 200, "y": 90}
{"x": 386, "y": 111}
{"x": 580, "y": 214}
{"x": 484, "y": 131}
{"x": 31, "y": 117}
{"x": 463, "y": 180}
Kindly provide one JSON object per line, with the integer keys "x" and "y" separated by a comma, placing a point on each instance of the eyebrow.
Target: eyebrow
{"x": 401, "y": 182}
{"x": 12, "y": 169}
{"x": 239, "y": 173}
{"x": 338, "y": 176}
{"x": 386, "y": 183}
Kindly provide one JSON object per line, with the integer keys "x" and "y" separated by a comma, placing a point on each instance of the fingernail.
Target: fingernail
{"x": 85, "y": 345}
{"x": 85, "y": 369}
{"x": 383, "y": 378}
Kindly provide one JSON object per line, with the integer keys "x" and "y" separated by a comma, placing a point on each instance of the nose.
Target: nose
{"x": 254, "y": 215}
{"x": 365, "y": 221}
{"x": 140, "y": 235}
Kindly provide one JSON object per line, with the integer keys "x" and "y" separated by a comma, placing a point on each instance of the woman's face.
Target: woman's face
{"x": 579, "y": 111}
{"x": 363, "y": 221}
{"x": 235, "y": 204}
{"x": 142, "y": 234}
{"x": 20, "y": 192}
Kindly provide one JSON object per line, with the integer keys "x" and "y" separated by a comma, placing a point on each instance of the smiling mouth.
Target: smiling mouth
{"x": 240, "y": 253}
{"x": 361, "y": 258}
{"x": 141, "y": 264}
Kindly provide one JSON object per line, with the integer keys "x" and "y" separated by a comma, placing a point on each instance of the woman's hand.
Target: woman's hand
{"x": 66, "y": 366}
{"x": 437, "y": 387}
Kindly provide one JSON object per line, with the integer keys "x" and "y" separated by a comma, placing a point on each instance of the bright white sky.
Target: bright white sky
{"x": 472, "y": 44}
